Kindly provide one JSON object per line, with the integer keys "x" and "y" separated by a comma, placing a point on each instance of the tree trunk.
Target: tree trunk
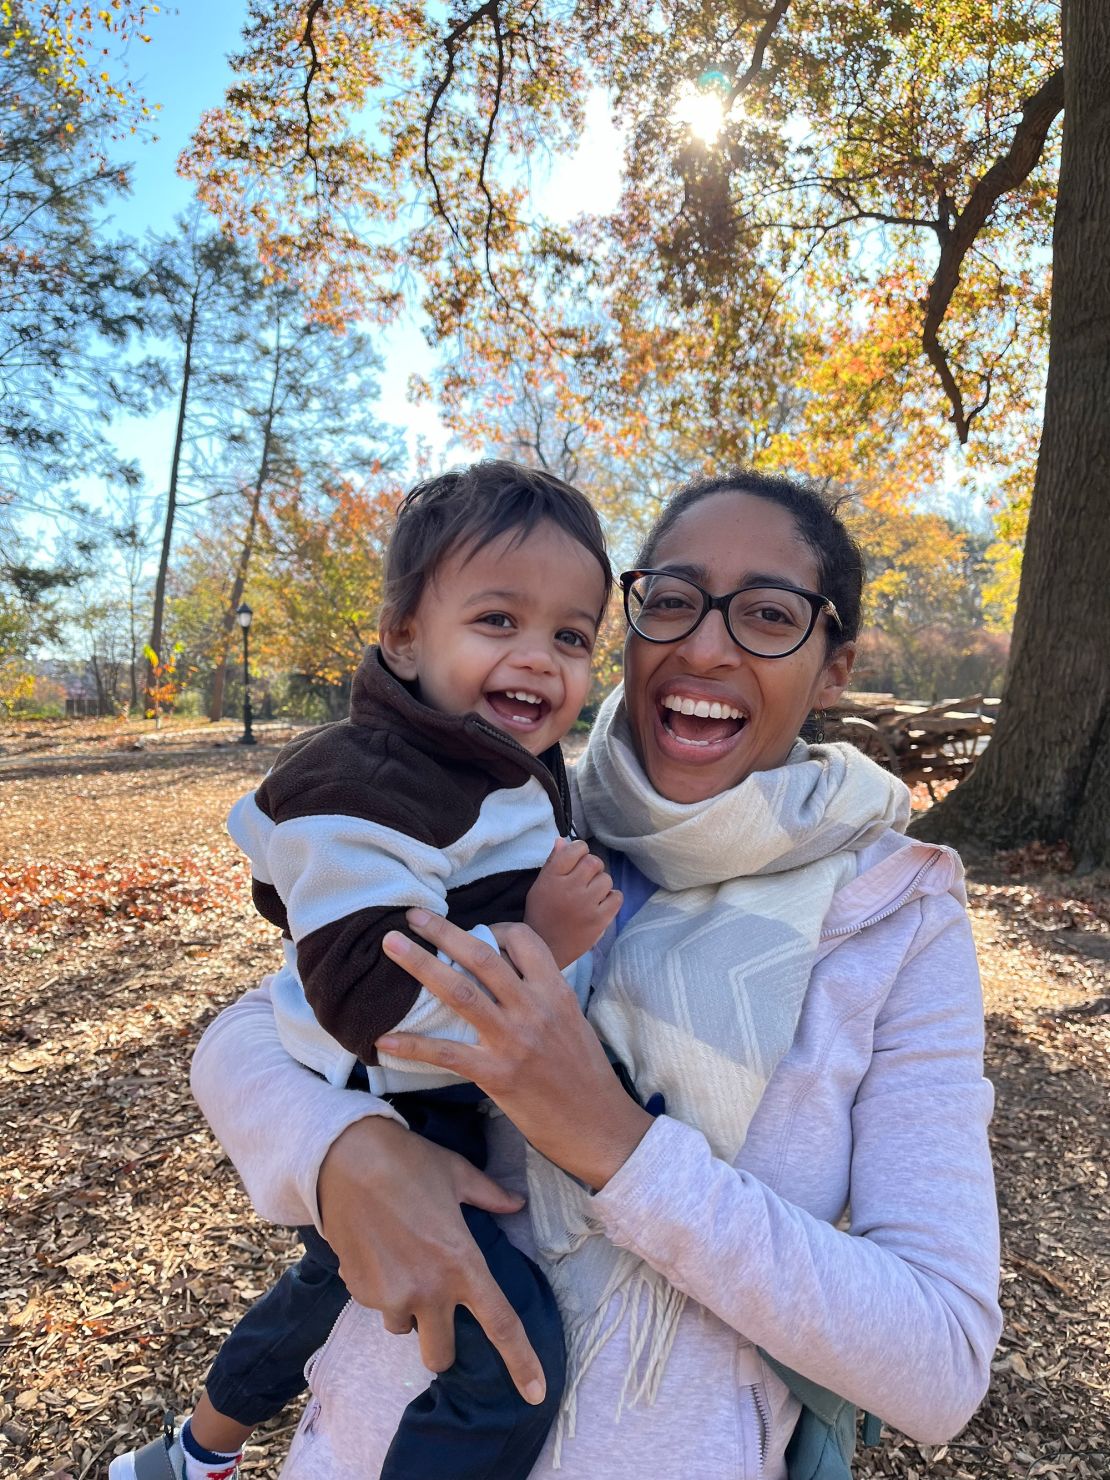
{"x": 219, "y": 674}
{"x": 133, "y": 666}
{"x": 1046, "y": 773}
{"x": 238, "y": 586}
{"x": 242, "y": 568}
{"x": 171, "y": 496}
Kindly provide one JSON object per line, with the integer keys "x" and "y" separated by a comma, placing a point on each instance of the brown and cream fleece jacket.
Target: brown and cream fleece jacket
{"x": 395, "y": 806}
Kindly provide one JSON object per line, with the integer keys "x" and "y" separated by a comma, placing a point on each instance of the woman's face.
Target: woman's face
{"x": 726, "y": 541}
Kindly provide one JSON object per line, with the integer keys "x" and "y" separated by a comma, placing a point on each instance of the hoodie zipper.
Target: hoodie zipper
{"x": 890, "y": 909}
{"x": 313, "y": 1363}
{"x": 764, "y": 1416}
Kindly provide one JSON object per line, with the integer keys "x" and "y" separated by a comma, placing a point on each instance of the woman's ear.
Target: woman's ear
{"x": 835, "y": 676}
{"x": 398, "y": 645}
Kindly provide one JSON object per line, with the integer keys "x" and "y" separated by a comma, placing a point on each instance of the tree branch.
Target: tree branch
{"x": 308, "y": 40}
{"x": 491, "y": 11}
{"x": 766, "y": 31}
{"x": 487, "y": 144}
{"x": 957, "y": 232}
{"x": 451, "y": 41}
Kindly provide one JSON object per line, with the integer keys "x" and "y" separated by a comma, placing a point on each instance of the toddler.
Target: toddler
{"x": 444, "y": 788}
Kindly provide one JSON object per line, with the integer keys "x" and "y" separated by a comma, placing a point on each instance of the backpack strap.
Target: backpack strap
{"x": 824, "y": 1438}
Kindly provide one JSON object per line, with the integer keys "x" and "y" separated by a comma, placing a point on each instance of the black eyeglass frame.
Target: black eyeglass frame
{"x": 817, "y": 604}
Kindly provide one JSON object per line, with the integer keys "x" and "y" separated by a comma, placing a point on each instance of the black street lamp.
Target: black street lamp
{"x": 244, "y": 615}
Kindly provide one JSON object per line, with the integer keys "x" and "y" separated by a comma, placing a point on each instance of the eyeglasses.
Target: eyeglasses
{"x": 766, "y": 621}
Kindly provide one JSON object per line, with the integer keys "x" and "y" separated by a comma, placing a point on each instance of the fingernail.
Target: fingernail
{"x": 396, "y": 942}
{"x": 535, "y": 1392}
{"x": 418, "y": 917}
{"x": 386, "y": 1042}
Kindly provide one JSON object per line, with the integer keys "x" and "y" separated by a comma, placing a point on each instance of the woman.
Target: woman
{"x": 798, "y": 996}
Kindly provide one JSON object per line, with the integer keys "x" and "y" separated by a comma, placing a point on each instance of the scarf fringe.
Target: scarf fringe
{"x": 654, "y": 1308}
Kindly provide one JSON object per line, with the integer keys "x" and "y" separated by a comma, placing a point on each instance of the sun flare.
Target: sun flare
{"x": 703, "y": 110}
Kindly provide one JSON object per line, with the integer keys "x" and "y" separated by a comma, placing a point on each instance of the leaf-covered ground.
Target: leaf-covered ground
{"x": 127, "y": 1248}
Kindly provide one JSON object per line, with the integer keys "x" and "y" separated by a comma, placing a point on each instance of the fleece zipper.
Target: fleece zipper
{"x": 553, "y": 778}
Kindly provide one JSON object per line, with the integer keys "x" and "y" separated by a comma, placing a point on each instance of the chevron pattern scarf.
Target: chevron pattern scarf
{"x": 701, "y": 994}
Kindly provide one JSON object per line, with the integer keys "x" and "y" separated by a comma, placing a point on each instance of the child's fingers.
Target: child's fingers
{"x": 606, "y": 912}
{"x": 587, "y": 866}
{"x": 565, "y": 856}
{"x": 584, "y": 892}
{"x": 599, "y": 889}
{"x": 610, "y": 907}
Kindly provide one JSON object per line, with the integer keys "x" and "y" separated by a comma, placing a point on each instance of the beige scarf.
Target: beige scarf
{"x": 701, "y": 994}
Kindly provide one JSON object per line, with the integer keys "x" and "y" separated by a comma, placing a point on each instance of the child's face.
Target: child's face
{"x": 508, "y": 634}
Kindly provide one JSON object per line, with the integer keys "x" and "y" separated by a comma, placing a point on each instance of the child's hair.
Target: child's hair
{"x": 461, "y": 510}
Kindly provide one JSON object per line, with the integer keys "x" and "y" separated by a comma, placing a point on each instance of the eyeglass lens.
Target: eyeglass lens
{"x": 765, "y": 619}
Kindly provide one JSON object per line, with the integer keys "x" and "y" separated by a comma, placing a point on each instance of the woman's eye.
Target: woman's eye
{"x": 768, "y": 616}
{"x": 668, "y": 603}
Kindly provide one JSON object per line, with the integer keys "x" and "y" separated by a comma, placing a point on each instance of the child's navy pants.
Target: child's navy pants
{"x": 470, "y": 1423}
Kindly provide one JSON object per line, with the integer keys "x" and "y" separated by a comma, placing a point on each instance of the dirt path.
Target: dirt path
{"x": 127, "y": 1247}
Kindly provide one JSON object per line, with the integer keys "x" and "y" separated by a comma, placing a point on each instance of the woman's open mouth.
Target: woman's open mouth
{"x": 700, "y": 724}
{"x": 517, "y": 709}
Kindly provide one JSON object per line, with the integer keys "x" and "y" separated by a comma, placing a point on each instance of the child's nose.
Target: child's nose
{"x": 537, "y": 654}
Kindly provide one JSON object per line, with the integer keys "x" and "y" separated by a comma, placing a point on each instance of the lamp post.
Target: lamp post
{"x": 243, "y": 616}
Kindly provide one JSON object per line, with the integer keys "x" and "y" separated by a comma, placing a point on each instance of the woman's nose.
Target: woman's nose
{"x": 709, "y": 645}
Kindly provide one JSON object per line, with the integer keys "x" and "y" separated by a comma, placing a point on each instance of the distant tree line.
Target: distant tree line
{"x": 831, "y": 255}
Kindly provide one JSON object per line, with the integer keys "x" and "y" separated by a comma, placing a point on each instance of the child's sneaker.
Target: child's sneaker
{"x": 164, "y": 1458}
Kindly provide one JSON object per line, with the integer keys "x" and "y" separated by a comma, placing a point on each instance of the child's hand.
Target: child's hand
{"x": 571, "y": 902}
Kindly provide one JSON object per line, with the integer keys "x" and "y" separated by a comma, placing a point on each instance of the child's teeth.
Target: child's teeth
{"x": 520, "y": 694}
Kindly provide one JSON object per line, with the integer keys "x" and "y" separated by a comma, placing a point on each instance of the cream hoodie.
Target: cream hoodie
{"x": 875, "y": 1120}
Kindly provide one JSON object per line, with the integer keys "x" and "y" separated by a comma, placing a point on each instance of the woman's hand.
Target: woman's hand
{"x": 536, "y": 1055}
{"x": 389, "y": 1205}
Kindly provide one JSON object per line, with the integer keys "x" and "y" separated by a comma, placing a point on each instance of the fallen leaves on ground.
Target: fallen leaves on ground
{"x": 128, "y": 1249}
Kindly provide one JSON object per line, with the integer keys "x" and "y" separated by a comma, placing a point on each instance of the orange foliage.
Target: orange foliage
{"x": 319, "y": 584}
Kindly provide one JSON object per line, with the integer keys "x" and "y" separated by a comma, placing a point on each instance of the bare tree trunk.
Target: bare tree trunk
{"x": 171, "y": 496}
{"x": 99, "y": 681}
{"x": 246, "y": 550}
{"x": 133, "y": 642}
{"x": 1046, "y": 773}
{"x": 238, "y": 586}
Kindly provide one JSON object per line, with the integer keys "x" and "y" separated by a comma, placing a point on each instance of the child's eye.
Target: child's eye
{"x": 496, "y": 619}
{"x": 574, "y": 639}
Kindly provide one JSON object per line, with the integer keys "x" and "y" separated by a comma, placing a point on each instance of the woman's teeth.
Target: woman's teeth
{"x": 701, "y": 708}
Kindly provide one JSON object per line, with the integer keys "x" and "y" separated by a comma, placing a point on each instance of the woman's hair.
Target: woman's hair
{"x": 461, "y": 510}
{"x": 839, "y": 558}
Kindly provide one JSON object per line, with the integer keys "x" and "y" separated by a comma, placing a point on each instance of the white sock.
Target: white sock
{"x": 206, "y": 1464}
